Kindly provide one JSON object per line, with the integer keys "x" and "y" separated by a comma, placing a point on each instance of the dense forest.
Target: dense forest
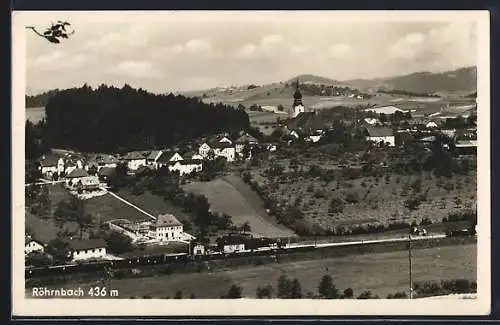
{"x": 110, "y": 119}
{"x": 40, "y": 100}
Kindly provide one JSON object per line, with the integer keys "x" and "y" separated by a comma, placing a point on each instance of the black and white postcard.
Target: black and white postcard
{"x": 251, "y": 163}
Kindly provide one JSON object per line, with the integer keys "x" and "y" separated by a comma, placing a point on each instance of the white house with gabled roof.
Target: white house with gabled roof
{"x": 166, "y": 228}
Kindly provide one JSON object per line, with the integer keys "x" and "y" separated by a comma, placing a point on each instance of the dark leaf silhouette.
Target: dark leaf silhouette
{"x": 54, "y": 32}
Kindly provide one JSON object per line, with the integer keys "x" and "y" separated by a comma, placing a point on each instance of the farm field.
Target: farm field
{"x": 382, "y": 273}
{"x": 153, "y": 204}
{"x": 230, "y": 195}
{"x": 107, "y": 207}
{"x": 368, "y": 200}
{"x": 264, "y": 117}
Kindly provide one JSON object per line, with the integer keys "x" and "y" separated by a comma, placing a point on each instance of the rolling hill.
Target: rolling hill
{"x": 463, "y": 79}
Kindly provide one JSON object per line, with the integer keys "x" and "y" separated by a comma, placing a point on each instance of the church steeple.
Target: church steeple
{"x": 297, "y": 96}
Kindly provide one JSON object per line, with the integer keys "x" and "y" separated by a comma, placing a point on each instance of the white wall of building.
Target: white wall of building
{"x": 136, "y": 163}
{"x": 86, "y": 254}
{"x": 33, "y": 246}
{"x": 228, "y": 249}
{"x": 228, "y": 153}
{"x": 171, "y": 233}
{"x": 204, "y": 150}
{"x": 389, "y": 140}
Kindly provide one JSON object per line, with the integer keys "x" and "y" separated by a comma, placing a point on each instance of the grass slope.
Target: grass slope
{"x": 230, "y": 195}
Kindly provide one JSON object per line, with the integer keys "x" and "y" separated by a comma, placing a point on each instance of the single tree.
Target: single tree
{"x": 178, "y": 294}
{"x": 264, "y": 292}
{"x": 234, "y": 292}
{"x": 296, "y": 289}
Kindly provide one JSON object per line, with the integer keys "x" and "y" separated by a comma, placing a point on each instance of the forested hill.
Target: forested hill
{"x": 40, "y": 100}
{"x": 112, "y": 119}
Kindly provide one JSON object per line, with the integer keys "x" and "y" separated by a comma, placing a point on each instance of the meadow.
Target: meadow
{"x": 230, "y": 195}
{"x": 382, "y": 273}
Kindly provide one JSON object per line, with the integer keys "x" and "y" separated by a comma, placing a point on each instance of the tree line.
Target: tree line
{"x": 407, "y": 93}
{"x": 109, "y": 119}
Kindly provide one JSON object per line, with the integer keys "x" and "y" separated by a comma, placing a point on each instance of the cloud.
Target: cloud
{"x": 340, "y": 51}
{"x": 57, "y": 60}
{"x": 130, "y": 68}
{"x": 406, "y": 47}
{"x": 298, "y": 49}
{"x": 445, "y": 47}
{"x": 198, "y": 46}
{"x": 268, "y": 46}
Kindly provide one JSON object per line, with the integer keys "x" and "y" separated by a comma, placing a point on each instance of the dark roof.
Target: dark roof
{"x": 231, "y": 240}
{"x": 152, "y": 155}
{"x": 106, "y": 171}
{"x": 29, "y": 239}
{"x": 75, "y": 173}
{"x": 167, "y": 220}
{"x": 246, "y": 138}
{"x": 134, "y": 155}
{"x": 164, "y": 157}
{"x": 48, "y": 161}
{"x": 77, "y": 244}
{"x": 379, "y": 132}
{"x": 306, "y": 120}
{"x": 190, "y": 161}
{"x": 107, "y": 159}
{"x": 221, "y": 145}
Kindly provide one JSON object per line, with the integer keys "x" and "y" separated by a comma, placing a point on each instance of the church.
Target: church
{"x": 298, "y": 107}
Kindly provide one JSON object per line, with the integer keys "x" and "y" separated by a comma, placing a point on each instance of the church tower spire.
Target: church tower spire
{"x": 297, "y": 97}
{"x": 298, "y": 107}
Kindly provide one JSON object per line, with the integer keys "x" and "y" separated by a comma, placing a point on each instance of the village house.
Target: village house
{"x": 48, "y": 166}
{"x": 105, "y": 173}
{"x": 380, "y": 134}
{"x": 100, "y": 161}
{"x": 198, "y": 249}
{"x": 86, "y": 249}
{"x": 135, "y": 160}
{"x": 371, "y": 121}
{"x": 186, "y": 166}
{"x": 224, "y": 149}
{"x": 431, "y": 125}
{"x": 32, "y": 245}
{"x": 71, "y": 164}
{"x": 166, "y": 228}
{"x": 204, "y": 150}
{"x": 243, "y": 141}
{"x": 231, "y": 244}
{"x": 80, "y": 178}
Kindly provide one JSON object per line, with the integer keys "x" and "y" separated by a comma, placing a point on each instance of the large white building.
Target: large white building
{"x": 166, "y": 228}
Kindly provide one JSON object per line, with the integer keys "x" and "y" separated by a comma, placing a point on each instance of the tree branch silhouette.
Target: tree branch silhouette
{"x": 55, "y": 32}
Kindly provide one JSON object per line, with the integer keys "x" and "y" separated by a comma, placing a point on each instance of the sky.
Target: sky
{"x": 178, "y": 52}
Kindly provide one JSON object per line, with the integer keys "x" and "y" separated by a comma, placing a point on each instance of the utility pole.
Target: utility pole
{"x": 409, "y": 263}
